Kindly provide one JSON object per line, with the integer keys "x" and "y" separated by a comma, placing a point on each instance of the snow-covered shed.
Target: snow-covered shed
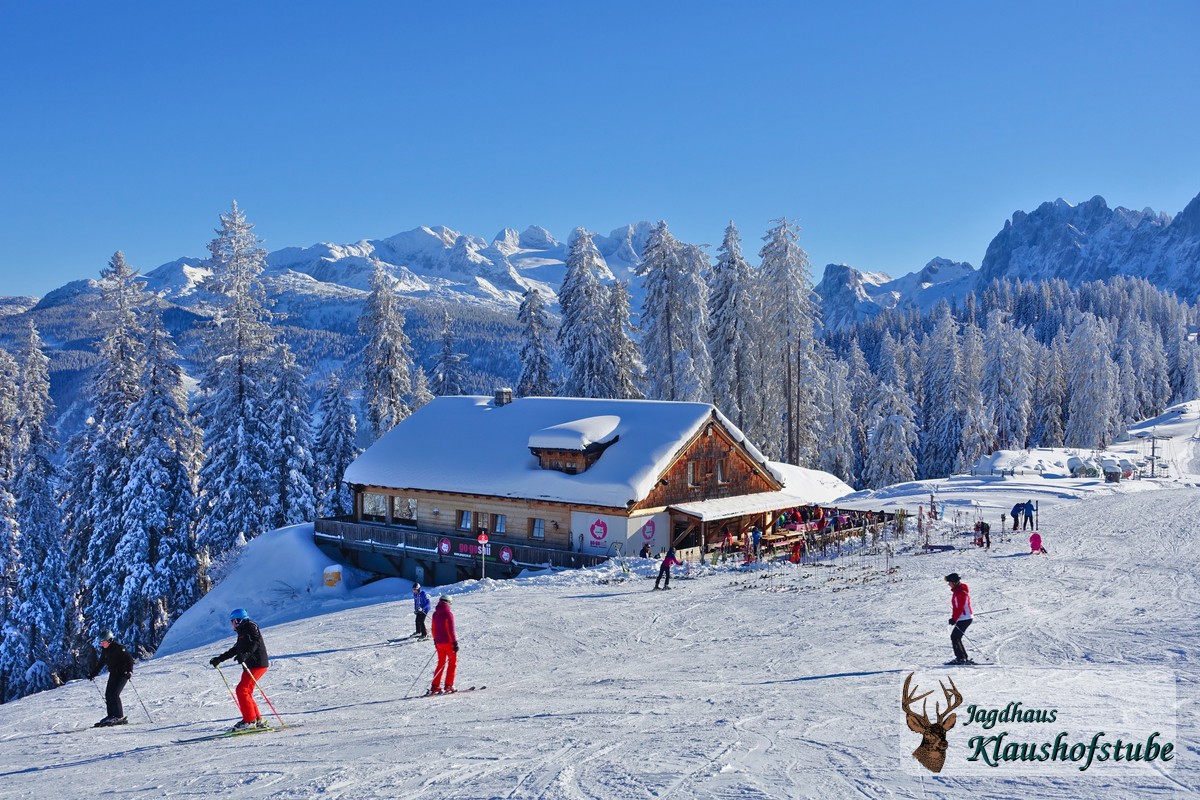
{"x": 578, "y": 476}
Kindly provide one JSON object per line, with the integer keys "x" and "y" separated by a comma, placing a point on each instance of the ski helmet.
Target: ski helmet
{"x": 106, "y": 636}
{"x": 238, "y": 614}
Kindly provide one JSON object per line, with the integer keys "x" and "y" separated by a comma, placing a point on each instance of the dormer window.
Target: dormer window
{"x": 574, "y": 446}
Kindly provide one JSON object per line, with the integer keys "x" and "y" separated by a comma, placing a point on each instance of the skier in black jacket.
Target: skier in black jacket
{"x": 251, "y": 652}
{"x": 120, "y": 670}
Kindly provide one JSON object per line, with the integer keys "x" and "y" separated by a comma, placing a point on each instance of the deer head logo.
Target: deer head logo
{"x": 932, "y": 751}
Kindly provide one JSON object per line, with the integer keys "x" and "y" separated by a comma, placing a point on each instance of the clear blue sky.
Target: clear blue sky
{"x": 892, "y": 132}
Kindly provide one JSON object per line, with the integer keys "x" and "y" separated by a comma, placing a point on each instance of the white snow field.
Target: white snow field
{"x": 773, "y": 681}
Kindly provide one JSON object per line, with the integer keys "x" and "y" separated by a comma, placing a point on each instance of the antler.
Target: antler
{"x": 911, "y": 697}
{"x": 953, "y": 700}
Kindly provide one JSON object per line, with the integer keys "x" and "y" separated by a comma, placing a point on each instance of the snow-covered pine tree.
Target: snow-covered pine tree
{"x": 11, "y": 659}
{"x": 387, "y": 357}
{"x": 336, "y": 449}
{"x": 236, "y": 478}
{"x": 448, "y": 376}
{"x": 941, "y": 413}
{"x": 293, "y": 473}
{"x": 93, "y": 505}
{"x": 34, "y": 633}
{"x": 976, "y": 436}
{"x": 785, "y": 270}
{"x": 157, "y": 550}
{"x": 8, "y": 415}
{"x": 1092, "y": 376}
{"x": 732, "y": 325}
{"x": 861, "y": 382}
{"x": 537, "y": 365}
{"x": 421, "y": 392}
{"x": 761, "y": 397}
{"x": 583, "y": 331}
{"x": 625, "y": 374}
{"x": 836, "y": 454}
{"x": 674, "y": 319}
{"x": 893, "y": 439}
{"x": 1005, "y": 382}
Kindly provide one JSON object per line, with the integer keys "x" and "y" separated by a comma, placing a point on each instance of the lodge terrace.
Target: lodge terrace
{"x": 551, "y": 482}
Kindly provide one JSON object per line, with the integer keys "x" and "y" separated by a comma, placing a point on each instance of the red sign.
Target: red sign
{"x": 648, "y": 530}
{"x": 506, "y": 554}
{"x": 483, "y": 538}
{"x": 599, "y": 530}
{"x": 444, "y": 547}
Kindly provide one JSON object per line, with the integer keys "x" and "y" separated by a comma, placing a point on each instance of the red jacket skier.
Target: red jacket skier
{"x": 664, "y": 569}
{"x": 960, "y": 616}
{"x": 445, "y": 639}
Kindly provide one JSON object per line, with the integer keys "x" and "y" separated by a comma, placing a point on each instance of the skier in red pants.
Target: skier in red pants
{"x": 251, "y": 652}
{"x": 446, "y": 642}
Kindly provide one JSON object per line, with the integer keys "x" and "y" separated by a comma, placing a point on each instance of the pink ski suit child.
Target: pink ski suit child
{"x": 664, "y": 570}
{"x": 1035, "y": 543}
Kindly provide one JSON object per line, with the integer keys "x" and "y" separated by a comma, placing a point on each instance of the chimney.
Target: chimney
{"x": 503, "y": 397}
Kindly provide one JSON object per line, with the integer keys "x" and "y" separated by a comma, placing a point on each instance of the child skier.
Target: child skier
{"x": 1035, "y": 544}
{"x": 664, "y": 570}
{"x": 421, "y": 610}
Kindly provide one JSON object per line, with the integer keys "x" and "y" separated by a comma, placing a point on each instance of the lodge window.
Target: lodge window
{"x": 374, "y": 507}
{"x": 537, "y": 528}
{"x": 721, "y": 476}
{"x": 691, "y": 473}
{"x": 404, "y": 511}
{"x": 501, "y": 524}
{"x": 464, "y": 520}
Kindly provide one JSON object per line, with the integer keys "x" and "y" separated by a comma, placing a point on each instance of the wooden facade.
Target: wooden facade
{"x": 712, "y": 465}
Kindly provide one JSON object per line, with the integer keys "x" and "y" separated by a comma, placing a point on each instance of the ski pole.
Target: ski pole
{"x": 232, "y": 697}
{"x": 246, "y": 669}
{"x": 139, "y": 697}
{"x": 418, "y": 677}
{"x": 993, "y": 611}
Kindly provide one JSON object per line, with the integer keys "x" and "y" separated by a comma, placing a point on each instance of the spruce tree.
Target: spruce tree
{"x": 675, "y": 319}
{"x": 336, "y": 449}
{"x": 387, "y": 357}
{"x": 157, "y": 550}
{"x": 731, "y": 328}
{"x": 583, "y": 331}
{"x": 537, "y": 365}
{"x": 236, "y": 478}
{"x": 624, "y": 371}
{"x": 448, "y": 376}
{"x": 293, "y": 472}
{"x": 893, "y": 438}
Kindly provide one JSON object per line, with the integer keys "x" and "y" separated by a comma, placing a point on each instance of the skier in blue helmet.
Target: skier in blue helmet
{"x": 251, "y": 652}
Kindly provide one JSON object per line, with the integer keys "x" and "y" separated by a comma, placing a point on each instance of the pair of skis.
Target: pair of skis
{"x": 234, "y": 733}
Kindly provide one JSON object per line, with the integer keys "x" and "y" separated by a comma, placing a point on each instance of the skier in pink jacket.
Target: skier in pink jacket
{"x": 664, "y": 571}
{"x": 1035, "y": 544}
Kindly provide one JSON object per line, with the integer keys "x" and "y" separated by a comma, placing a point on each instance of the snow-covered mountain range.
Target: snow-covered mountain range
{"x": 1075, "y": 243}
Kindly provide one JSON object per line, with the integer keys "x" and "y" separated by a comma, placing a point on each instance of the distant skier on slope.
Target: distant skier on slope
{"x": 1035, "y": 544}
{"x": 1017, "y": 511}
{"x": 420, "y": 610}
{"x": 445, "y": 639}
{"x": 664, "y": 569}
{"x": 120, "y": 669}
{"x": 1028, "y": 515}
{"x": 251, "y": 652}
{"x": 960, "y": 617}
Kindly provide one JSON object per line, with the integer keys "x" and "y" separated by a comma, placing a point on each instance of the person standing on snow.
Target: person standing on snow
{"x": 960, "y": 616}
{"x": 1017, "y": 511}
{"x": 664, "y": 570}
{"x": 1028, "y": 515}
{"x": 421, "y": 610}
{"x": 251, "y": 652}
{"x": 120, "y": 669}
{"x": 445, "y": 639}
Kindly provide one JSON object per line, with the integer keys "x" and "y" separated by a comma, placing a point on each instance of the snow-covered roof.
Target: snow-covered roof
{"x": 471, "y": 445}
{"x": 726, "y": 507}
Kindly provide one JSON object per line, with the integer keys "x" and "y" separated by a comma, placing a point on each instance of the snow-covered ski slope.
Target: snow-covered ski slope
{"x": 771, "y": 682}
